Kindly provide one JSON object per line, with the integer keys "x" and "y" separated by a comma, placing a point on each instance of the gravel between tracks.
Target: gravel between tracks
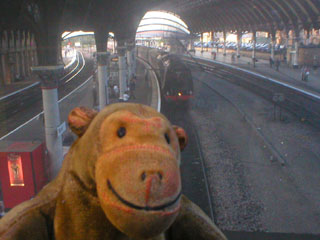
{"x": 234, "y": 206}
{"x": 251, "y": 190}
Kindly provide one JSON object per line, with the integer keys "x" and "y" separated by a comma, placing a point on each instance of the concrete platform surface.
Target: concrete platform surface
{"x": 285, "y": 74}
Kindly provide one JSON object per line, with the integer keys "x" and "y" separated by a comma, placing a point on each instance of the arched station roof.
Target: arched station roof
{"x": 159, "y": 24}
{"x": 199, "y": 15}
{"x": 266, "y": 15}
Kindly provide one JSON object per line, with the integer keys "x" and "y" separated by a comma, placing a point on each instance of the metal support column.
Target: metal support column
{"x": 27, "y": 61}
{"x": 134, "y": 60}
{"x": 254, "y": 42}
{"x": 17, "y": 50}
{"x": 224, "y": 43}
{"x": 273, "y": 42}
{"x": 295, "y": 52}
{"x": 23, "y": 64}
{"x": 129, "y": 53}
{"x": 1, "y": 72}
{"x": 272, "y": 50}
{"x": 212, "y": 42}
{"x": 122, "y": 70}
{"x": 191, "y": 44}
{"x": 17, "y": 64}
{"x": 102, "y": 61}
{"x": 238, "y": 43}
{"x": 295, "y": 60}
{"x": 201, "y": 42}
{"x": 50, "y": 76}
{"x": 3, "y": 68}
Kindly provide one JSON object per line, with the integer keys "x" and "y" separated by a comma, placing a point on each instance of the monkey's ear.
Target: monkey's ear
{"x": 182, "y": 136}
{"x": 80, "y": 118}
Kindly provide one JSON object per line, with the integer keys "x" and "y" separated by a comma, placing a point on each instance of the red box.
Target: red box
{"x": 22, "y": 172}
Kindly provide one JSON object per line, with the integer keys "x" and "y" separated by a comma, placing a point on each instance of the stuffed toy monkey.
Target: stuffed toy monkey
{"x": 120, "y": 180}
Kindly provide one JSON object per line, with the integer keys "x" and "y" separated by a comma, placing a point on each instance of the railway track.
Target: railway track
{"x": 15, "y": 102}
{"x": 303, "y": 104}
{"x": 15, "y": 113}
{"x": 195, "y": 183}
{"x": 204, "y": 82}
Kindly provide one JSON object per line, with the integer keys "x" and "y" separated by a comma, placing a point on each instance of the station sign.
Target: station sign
{"x": 278, "y": 97}
{"x": 114, "y": 59}
{"x": 61, "y": 129}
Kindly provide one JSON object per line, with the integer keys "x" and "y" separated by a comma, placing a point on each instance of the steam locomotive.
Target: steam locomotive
{"x": 175, "y": 79}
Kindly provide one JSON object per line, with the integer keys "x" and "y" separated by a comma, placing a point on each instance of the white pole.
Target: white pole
{"x": 130, "y": 62}
{"x": 296, "y": 54}
{"x": 272, "y": 49}
{"x": 102, "y": 60}
{"x": 51, "y": 114}
{"x": 134, "y": 65}
{"x": 238, "y": 44}
{"x": 224, "y": 43}
{"x": 254, "y": 49}
{"x": 122, "y": 72}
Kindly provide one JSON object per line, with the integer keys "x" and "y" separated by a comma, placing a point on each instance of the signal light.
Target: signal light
{"x": 179, "y": 94}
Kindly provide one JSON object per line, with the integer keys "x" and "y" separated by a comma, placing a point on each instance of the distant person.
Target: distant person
{"x": 214, "y": 54}
{"x": 305, "y": 73}
{"x": 277, "y": 64}
{"x": 126, "y": 96}
{"x": 315, "y": 63}
{"x": 254, "y": 62}
{"x": 146, "y": 75}
{"x": 116, "y": 90}
{"x": 271, "y": 62}
{"x": 94, "y": 94}
{"x": 17, "y": 77}
{"x": 132, "y": 86}
{"x": 233, "y": 57}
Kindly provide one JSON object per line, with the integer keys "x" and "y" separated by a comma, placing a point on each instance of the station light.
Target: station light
{"x": 15, "y": 170}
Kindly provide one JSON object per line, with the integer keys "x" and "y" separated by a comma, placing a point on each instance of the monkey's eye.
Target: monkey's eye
{"x": 167, "y": 138}
{"x": 121, "y": 132}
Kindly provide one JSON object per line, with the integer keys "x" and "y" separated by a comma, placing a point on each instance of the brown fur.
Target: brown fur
{"x": 142, "y": 167}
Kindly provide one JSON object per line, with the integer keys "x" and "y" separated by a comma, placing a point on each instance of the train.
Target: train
{"x": 175, "y": 78}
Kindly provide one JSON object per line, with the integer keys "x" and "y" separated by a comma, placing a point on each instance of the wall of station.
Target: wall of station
{"x": 18, "y": 52}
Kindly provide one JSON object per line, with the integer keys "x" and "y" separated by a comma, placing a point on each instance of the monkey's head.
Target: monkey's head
{"x": 130, "y": 154}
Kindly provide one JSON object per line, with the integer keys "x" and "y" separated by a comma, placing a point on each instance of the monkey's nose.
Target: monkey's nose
{"x": 152, "y": 181}
{"x": 152, "y": 174}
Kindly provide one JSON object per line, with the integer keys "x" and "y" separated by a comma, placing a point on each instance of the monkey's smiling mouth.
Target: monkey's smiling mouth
{"x": 146, "y": 208}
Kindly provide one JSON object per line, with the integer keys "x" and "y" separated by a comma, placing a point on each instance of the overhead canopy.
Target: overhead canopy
{"x": 125, "y": 15}
{"x": 266, "y": 15}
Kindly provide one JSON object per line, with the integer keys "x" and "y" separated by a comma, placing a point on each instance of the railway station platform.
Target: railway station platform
{"x": 285, "y": 74}
{"x": 146, "y": 91}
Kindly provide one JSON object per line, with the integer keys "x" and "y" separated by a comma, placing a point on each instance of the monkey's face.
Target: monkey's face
{"x": 137, "y": 173}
